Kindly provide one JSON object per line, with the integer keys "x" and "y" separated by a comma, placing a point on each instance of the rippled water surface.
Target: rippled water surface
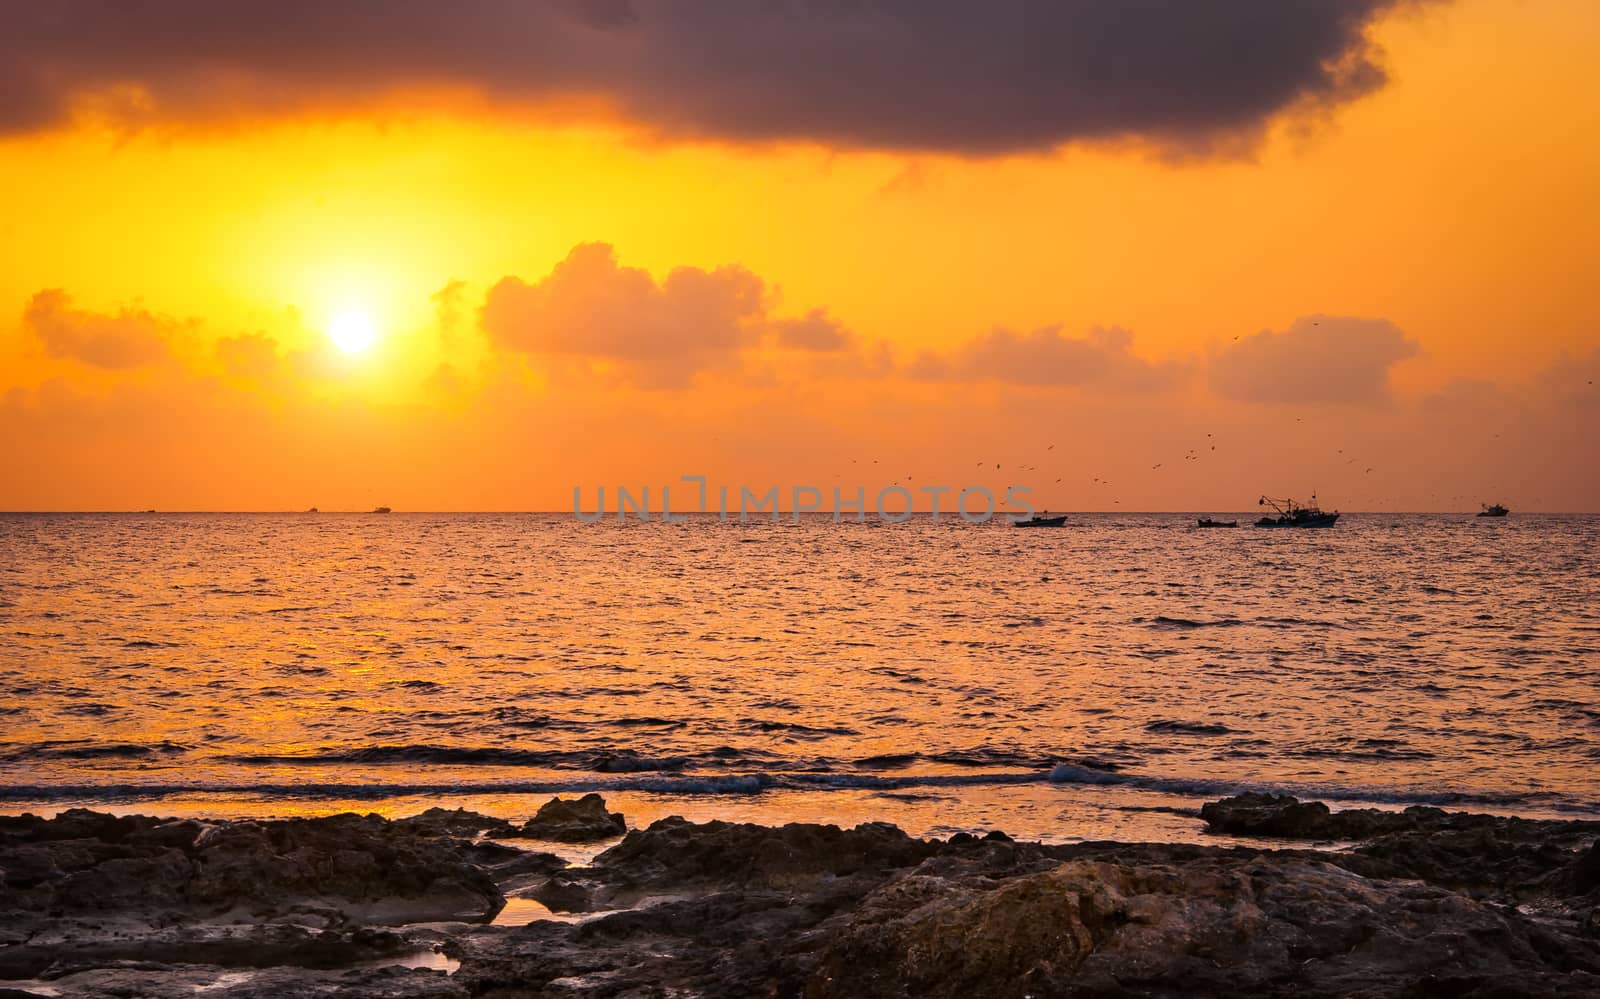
{"x": 946, "y": 676}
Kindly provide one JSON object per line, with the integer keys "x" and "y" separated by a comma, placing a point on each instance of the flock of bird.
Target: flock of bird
{"x": 1194, "y": 454}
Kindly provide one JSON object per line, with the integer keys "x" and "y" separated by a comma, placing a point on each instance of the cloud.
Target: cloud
{"x": 1316, "y": 360}
{"x": 947, "y": 75}
{"x": 816, "y": 330}
{"x": 250, "y": 355}
{"x": 589, "y": 307}
{"x": 129, "y": 339}
{"x": 1045, "y": 357}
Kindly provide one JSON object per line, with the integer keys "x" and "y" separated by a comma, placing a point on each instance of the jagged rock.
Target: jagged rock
{"x": 1488, "y": 856}
{"x": 1586, "y": 871}
{"x": 82, "y": 863}
{"x": 455, "y": 822}
{"x": 1287, "y": 817}
{"x": 578, "y": 820}
{"x": 735, "y": 910}
{"x": 674, "y": 853}
{"x": 1212, "y": 926}
{"x": 55, "y": 955}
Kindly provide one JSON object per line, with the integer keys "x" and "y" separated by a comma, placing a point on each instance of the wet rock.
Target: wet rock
{"x": 1212, "y": 926}
{"x": 363, "y": 867}
{"x": 76, "y": 948}
{"x": 188, "y": 981}
{"x": 74, "y": 823}
{"x": 455, "y": 822}
{"x": 1487, "y": 856}
{"x": 723, "y": 909}
{"x": 1586, "y": 871}
{"x": 578, "y": 820}
{"x": 1286, "y": 817}
{"x": 674, "y": 853}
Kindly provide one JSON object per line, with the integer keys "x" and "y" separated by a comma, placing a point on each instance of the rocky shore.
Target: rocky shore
{"x": 1366, "y": 903}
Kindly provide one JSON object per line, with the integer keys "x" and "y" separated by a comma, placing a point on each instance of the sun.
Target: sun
{"x": 353, "y": 331}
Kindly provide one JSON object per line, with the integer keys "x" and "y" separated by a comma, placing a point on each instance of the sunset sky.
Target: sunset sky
{"x": 467, "y": 257}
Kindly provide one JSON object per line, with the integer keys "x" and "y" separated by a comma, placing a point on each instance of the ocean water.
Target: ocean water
{"x": 1094, "y": 681}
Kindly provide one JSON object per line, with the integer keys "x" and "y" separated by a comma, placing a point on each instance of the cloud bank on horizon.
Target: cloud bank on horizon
{"x": 576, "y": 361}
{"x": 935, "y": 75}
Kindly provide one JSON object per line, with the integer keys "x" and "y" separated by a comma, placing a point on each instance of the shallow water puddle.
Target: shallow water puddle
{"x": 522, "y": 911}
{"x": 430, "y": 959}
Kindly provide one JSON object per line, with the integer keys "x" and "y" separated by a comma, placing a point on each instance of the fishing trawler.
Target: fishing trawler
{"x": 1037, "y": 521}
{"x": 1493, "y": 510}
{"x": 1292, "y": 514}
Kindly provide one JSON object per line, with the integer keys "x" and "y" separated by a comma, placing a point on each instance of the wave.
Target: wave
{"x": 623, "y": 760}
{"x": 83, "y": 750}
{"x": 1161, "y": 621}
{"x": 1197, "y": 789}
{"x": 1174, "y": 727}
{"x": 1211, "y": 788}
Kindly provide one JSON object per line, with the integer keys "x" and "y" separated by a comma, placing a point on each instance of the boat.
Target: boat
{"x": 1037, "y": 521}
{"x": 1292, "y": 514}
{"x": 381, "y": 509}
{"x": 1493, "y": 510}
{"x": 312, "y": 510}
{"x": 1208, "y": 522}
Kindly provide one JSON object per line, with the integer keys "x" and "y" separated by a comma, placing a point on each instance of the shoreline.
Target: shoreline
{"x": 1285, "y": 896}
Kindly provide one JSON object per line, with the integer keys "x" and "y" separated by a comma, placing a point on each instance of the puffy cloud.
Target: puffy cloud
{"x": 1103, "y": 358}
{"x": 130, "y": 338}
{"x": 816, "y": 330}
{"x": 1317, "y": 359}
{"x": 912, "y": 74}
{"x": 590, "y": 307}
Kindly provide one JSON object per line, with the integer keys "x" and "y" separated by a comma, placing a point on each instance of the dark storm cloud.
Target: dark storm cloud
{"x": 951, "y": 75}
{"x": 1318, "y": 359}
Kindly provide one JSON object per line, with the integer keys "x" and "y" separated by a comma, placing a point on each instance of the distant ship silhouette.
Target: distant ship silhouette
{"x": 1292, "y": 514}
{"x": 1037, "y": 521}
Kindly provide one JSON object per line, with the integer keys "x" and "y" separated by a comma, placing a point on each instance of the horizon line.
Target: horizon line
{"x": 611, "y": 516}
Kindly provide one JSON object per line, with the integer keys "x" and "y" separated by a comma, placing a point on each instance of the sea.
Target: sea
{"x": 1097, "y": 681}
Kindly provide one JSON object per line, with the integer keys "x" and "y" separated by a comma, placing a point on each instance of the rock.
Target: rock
{"x": 674, "y": 853}
{"x": 84, "y": 864}
{"x": 1586, "y": 870}
{"x": 102, "y": 906}
{"x": 1287, "y": 817}
{"x": 1216, "y": 925}
{"x": 1487, "y": 856}
{"x": 455, "y": 822}
{"x": 52, "y": 957}
{"x": 580, "y": 820}
{"x": 1278, "y": 815}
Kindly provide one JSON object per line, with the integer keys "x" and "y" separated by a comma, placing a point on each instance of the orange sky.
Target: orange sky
{"x": 566, "y": 291}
